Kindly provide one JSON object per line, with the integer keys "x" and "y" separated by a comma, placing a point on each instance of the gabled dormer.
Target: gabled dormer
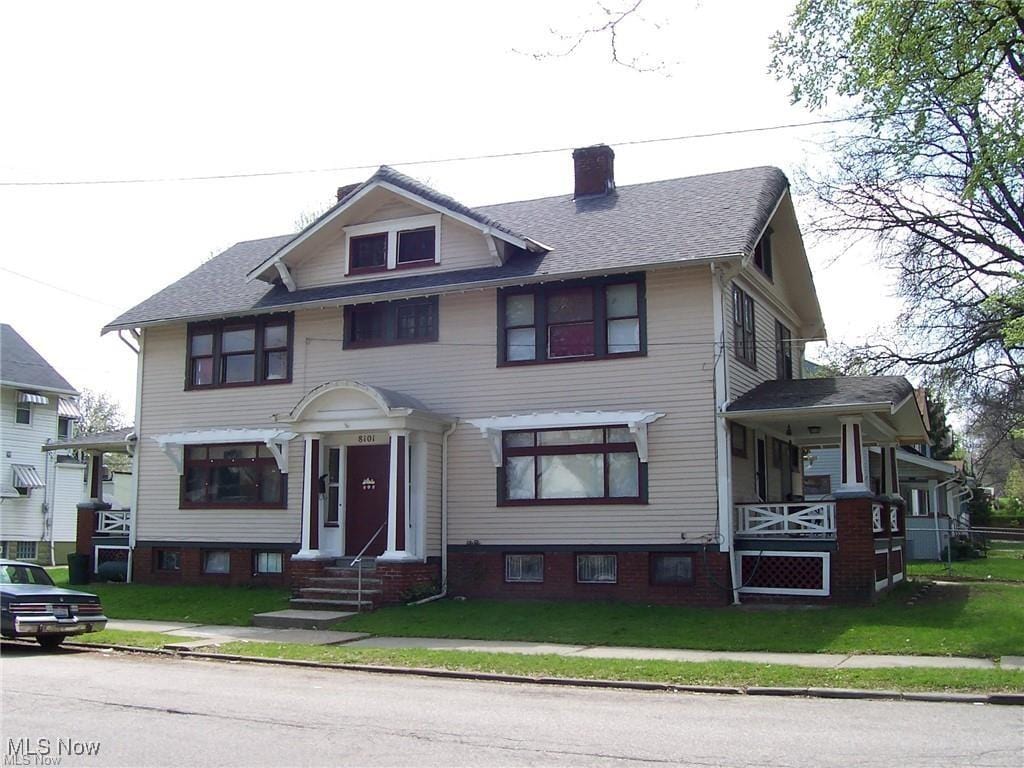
{"x": 387, "y": 226}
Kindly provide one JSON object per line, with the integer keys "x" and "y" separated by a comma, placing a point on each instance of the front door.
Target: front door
{"x": 366, "y": 497}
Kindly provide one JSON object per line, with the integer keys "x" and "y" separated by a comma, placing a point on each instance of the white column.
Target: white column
{"x": 396, "y": 491}
{"x": 853, "y": 467}
{"x": 308, "y": 500}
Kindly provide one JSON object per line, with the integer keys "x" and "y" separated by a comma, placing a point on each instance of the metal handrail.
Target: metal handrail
{"x": 358, "y": 561}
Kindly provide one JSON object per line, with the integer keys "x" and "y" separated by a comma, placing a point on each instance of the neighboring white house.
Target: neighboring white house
{"x": 38, "y": 491}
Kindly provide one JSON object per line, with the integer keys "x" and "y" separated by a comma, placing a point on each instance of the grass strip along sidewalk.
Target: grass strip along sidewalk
{"x": 719, "y": 673}
{"x": 981, "y": 620}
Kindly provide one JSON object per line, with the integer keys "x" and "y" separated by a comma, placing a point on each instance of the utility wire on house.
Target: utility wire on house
{"x": 432, "y": 161}
{"x": 58, "y": 288}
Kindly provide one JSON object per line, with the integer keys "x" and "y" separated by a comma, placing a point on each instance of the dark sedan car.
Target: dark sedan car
{"x": 32, "y": 607}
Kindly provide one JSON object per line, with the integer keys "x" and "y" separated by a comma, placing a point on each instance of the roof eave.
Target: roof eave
{"x": 367, "y": 298}
{"x": 39, "y": 387}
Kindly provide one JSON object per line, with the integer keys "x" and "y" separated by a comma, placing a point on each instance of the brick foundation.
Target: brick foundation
{"x": 145, "y": 571}
{"x": 402, "y": 582}
{"x": 481, "y": 573}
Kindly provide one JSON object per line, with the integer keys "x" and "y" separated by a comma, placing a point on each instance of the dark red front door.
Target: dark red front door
{"x": 366, "y": 498}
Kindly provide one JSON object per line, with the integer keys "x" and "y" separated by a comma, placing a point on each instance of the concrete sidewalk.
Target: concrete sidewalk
{"x": 207, "y": 635}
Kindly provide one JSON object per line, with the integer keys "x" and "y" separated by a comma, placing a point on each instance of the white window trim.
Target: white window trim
{"x": 392, "y": 227}
{"x": 96, "y": 554}
{"x": 825, "y": 573}
{"x": 492, "y": 427}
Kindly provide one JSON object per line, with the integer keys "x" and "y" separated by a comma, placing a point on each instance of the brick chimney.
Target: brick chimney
{"x": 595, "y": 170}
{"x": 344, "y": 191}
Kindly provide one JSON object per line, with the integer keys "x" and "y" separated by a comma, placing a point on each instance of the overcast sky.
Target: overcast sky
{"x": 125, "y": 91}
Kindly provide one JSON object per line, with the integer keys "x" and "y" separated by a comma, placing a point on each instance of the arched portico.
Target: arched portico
{"x": 367, "y": 452}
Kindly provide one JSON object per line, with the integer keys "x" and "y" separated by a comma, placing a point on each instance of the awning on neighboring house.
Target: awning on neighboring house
{"x": 26, "y": 476}
{"x": 33, "y": 398}
{"x": 68, "y": 409}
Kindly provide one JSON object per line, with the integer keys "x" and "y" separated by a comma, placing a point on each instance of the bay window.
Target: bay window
{"x": 233, "y": 476}
{"x": 240, "y": 352}
{"x": 572, "y": 320}
{"x": 571, "y": 466}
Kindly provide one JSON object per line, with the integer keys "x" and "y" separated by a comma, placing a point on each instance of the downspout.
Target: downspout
{"x": 134, "y": 511}
{"x": 444, "y": 518}
{"x": 47, "y": 506}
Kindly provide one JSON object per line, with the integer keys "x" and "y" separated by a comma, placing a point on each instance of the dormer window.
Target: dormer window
{"x": 763, "y": 254}
{"x": 368, "y": 252}
{"x": 396, "y": 244}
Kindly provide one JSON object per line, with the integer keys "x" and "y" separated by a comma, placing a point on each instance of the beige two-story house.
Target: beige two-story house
{"x": 573, "y": 396}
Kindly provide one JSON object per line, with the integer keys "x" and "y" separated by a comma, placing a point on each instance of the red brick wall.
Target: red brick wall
{"x": 853, "y": 563}
{"x": 397, "y": 579}
{"x": 84, "y": 529}
{"x": 144, "y": 570}
{"x": 482, "y": 574}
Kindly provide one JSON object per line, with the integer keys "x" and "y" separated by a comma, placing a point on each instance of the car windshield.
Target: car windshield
{"x": 24, "y": 574}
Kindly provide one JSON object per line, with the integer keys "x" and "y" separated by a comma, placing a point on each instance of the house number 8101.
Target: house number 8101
{"x": 367, "y": 438}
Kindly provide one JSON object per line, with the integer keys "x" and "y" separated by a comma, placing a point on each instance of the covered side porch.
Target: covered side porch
{"x": 848, "y": 543}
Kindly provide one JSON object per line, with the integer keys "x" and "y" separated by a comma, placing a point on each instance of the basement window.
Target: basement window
{"x": 524, "y": 568}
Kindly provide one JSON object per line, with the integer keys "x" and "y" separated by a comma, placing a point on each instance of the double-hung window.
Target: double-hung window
{"x": 233, "y": 476}
{"x": 783, "y": 351}
{"x": 743, "y": 325}
{"x": 571, "y": 466}
{"x": 241, "y": 352}
{"x": 384, "y": 323}
{"x": 575, "y": 320}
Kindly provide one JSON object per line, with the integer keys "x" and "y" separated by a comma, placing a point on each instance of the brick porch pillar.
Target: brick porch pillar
{"x": 853, "y": 567}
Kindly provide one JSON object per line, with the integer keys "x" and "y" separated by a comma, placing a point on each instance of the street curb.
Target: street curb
{"x": 1005, "y": 699}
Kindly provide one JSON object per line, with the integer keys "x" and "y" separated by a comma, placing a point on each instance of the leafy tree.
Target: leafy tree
{"x": 100, "y": 413}
{"x": 940, "y": 435}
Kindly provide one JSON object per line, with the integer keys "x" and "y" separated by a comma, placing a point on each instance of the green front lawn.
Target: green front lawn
{"x": 957, "y": 620}
{"x": 193, "y": 604}
{"x": 1005, "y": 562}
{"x": 719, "y": 673}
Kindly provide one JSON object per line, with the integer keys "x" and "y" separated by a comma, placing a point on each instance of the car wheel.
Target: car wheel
{"x": 50, "y": 642}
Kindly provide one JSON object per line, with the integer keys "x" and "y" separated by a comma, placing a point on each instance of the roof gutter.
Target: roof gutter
{"x": 430, "y": 291}
{"x": 846, "y": 408}
{"x": 40, "y": 388}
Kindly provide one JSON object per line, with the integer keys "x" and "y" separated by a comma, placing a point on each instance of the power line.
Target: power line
{"x": 433, "y": 161}
{"x": 58, "y": 288}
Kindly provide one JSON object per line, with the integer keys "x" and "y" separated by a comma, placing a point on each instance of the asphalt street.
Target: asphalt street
{"x": 147, "y": 711}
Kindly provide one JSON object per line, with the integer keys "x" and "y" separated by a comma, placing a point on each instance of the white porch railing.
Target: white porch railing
{"x": 817, "y": 520}
{"x": 113, "y": 522}
{"x": 876, "y": 518}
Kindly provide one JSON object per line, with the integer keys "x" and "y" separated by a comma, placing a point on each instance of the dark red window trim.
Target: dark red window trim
{"x": 599, "y": 319}
{"x": 259, "y": 323}
{"x": 738, "y": 446}
{"x": 210, "y": 464}
{"x": 744, "y": 327}
{"x": 783, "y": 351}
{"x": 574, "y": 449}
{"x": 354, "y": 270}
{"x": 389, "y": 312}
{"x": 763, "y": 255}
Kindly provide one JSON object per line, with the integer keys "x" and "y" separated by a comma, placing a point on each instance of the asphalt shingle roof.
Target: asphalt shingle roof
{"x": 21, "y": 364}
{"x": 838, "y": 391}
{"x": 660, "y": 222}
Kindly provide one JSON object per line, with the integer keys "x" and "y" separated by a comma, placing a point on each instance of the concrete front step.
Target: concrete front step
{"x": 344, "y": 572}
{"x": 317, "y": 593}
{"x": 305, "y": 604}
{"x": 300, "y": 619}
{"x": 341, "y": 582}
